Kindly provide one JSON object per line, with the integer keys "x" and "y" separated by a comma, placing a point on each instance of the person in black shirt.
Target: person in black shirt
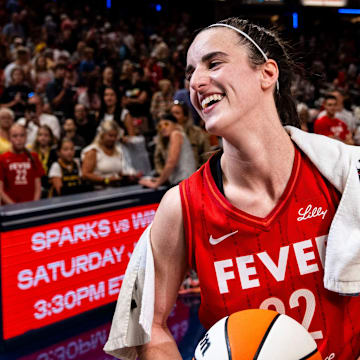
{"x": 112, "y": 110}
{"x": 137, "y": 96}
{"x": 16, "y": 95}
{"x": 86, "y": 123}
{"x": 60, "y": 93}
{"x": 65, "y": 174}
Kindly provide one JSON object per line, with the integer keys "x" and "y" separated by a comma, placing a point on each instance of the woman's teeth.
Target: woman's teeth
{"x": 212, "y": 99}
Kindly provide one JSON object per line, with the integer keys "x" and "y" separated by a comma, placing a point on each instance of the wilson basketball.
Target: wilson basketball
{"x": 257, "y": 334}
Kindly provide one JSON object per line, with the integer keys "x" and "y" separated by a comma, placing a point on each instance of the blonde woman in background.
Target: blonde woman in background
{"x": 44, "y": 143}
{"x": 104, "y": 163}
{"x": 6, "y": 120}
{"x": 45, "y": 147}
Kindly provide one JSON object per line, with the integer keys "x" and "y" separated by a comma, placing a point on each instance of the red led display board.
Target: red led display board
{"x": 81, "y": 347}
{"x": 56, "y": 271}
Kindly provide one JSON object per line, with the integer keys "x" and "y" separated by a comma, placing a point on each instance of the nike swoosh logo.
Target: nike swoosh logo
{"x": 214, "y": 241}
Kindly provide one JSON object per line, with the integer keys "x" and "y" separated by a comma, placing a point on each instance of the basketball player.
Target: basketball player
{"x": 254, "y": 220}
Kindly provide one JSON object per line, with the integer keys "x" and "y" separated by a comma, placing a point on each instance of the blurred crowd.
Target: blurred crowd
{"x": 87, "y": 102}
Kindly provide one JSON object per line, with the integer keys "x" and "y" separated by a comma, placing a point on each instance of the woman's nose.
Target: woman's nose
{"x": 199, "y": 79}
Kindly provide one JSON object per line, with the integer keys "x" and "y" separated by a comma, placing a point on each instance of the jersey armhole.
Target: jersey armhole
{"x": 184, "y": 195}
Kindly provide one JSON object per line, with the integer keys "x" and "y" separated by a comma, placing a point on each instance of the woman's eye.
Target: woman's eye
{"x": 213, "y": 64}
{"x": 188, "y": 76}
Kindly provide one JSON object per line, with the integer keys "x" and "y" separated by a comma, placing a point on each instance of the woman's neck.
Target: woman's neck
{"x": 261, "y": 159}
{"x": 4, "y": 133}
{"x": 111, "y": 109}
{"x": 108, "y": 149}
{"x": 65, "y": 162}
{"x": 44, "y": 148}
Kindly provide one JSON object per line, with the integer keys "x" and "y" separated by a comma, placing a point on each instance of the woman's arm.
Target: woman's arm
{"x": 176, "y": 140}
{"x": 37, "y": 192}
{"x": 128, "y": 122}
{"x": 17, "y": 99}
{"x": 5, "y": 198}
{"x": 88, "y": 167}
{"x": 169, "y": 251}
{"x": 154, "y": 106}
{"x": 159, "y": 159}
{"x": 56, "y": 182}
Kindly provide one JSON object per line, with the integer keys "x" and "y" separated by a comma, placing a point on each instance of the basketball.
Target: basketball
{"x": 257, "y": 334}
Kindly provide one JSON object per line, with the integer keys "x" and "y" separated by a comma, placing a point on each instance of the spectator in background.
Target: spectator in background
{"x": 13, "y": 28}
{"x": 198, "y": 138}
{"x": 160, "y": 48}
{"x": 87, "y": 64}
{"x": 65, "y": 173}
{"x": 41, "y": 75}
{"x": 70, "y": 132}
{"x": 86, "y": 123}
{"x": 183, "y": 95}
{"x": 174, "y": 158}
{"x": 90, "y": 97}
{"x": 17, "y": 93}
{"x": 107, "y": 79}
{"x": 329, "y": 125}
{"x": 6, "y": 121}
{"x": 104, "y": 163}
{"x": 16, "y": 43}
{"x": 341, "y": 113}
{"x": 153, "y": 72}
{"x": 78, "y": 54}
{"x": 162, "y": 100}
{"x": 137, "y": 95}
{"x": 125, "y": 79}
{"x": 31, "y": 123}
{"x": 43, "y": 146}
{"x": 304, "y": 117}
{"x": 59, "y": 92}
{"x": 37, "y": 116}
{"x": 112, "y": 110}
{"x": 20, "y": 170}
{"x": 22, "y": 60}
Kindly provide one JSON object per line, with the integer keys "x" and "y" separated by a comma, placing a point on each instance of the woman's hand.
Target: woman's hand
{"x": 18, "y": 98}
{"x": 151, "y": 183}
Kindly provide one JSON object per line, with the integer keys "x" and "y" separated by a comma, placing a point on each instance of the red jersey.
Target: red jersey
{"x": 276, "y": 262}
{"x": 18, "y": 173}
{"x": 331, "y": 127}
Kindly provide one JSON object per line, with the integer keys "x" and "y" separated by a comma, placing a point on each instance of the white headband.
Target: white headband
{"x": 250, "y": 39}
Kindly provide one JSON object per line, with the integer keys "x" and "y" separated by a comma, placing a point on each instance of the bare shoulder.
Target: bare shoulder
{"x": 167, "y": 230}
{"x": 90, "y": 154}
{"x": 177, "y": 134}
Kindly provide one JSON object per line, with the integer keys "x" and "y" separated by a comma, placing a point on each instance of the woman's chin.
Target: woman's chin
{"x": 212, "y": 128}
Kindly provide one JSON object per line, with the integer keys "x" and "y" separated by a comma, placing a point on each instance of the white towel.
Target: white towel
{"x": 132, "y": 327}
{"x": 338, "y": 163}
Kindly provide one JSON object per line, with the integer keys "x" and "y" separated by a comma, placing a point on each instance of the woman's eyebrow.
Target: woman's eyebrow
{"x": 213, "y": 54}
{"x": 206, "y": 58}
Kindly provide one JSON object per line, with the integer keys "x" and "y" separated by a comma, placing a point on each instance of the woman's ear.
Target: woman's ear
{"x": 269, "y": 74}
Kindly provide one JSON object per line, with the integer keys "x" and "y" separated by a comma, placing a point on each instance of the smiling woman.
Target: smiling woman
{"x": 243, "y": 217}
